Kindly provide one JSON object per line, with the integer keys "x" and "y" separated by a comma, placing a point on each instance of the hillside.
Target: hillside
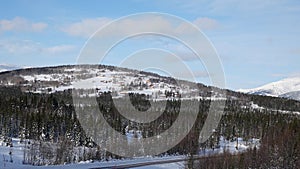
{"x": 96, "y": 79}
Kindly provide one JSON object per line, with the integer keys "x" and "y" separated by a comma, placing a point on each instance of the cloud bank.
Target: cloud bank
{"x": 87, "y": 27}
{"x": 19, "y": 24}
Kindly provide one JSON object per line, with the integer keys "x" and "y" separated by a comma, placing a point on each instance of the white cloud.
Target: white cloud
{"x": 136, "y": 24}
{"x": 203, "y": 23}
{"x": 58, "y": 49}
{"x": 206, "y": 23}
{"x": 19, "y": 24}
{"x": 295, "y": 51}
{"x": 195, "y": 73}
{"x": 85, "y": 28}
{"x": 246, "y": 6}
{"x": 29, "y": 47}
{"x": 180, "y": 51}
{"x": 231, "y": 7}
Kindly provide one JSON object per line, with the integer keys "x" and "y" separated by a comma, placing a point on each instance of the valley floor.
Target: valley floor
{"x": 12, "y": 157}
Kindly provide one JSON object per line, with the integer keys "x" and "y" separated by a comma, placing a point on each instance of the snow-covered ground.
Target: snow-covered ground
{"x": 236, "y": 146}
{"x": 14, "y": 160}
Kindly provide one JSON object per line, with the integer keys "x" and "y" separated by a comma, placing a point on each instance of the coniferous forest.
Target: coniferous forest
{"x": 48, "y": 125}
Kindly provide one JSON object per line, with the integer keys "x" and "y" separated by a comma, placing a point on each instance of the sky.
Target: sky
{"x": 258, "y": 42}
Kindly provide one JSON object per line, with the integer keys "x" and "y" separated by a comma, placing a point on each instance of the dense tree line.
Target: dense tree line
{"x": 279, "y": 148}
{"x": 51, "y": 122}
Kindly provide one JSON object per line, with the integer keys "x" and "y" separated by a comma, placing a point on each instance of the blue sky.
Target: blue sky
{"x": 258, "y": 41}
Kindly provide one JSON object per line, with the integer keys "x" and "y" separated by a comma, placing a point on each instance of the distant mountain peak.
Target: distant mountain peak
{"x": 8, "y": 67}
{"x": 288, "y": 88}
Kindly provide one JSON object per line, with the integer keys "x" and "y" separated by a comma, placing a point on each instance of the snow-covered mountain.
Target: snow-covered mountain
{"x": 288, "y": 88}
{"x": 118, "y": 81}
{"x": 7, "y": 67}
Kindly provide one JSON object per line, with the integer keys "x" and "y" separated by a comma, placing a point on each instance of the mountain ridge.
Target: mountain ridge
{"x": 102, "y": 77}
